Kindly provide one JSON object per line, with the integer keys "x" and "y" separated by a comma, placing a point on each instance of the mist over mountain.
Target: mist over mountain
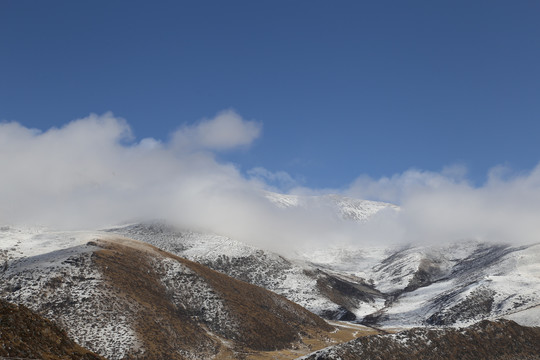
{"x": 154, "y": 289}
{"x": 94, "y": 173}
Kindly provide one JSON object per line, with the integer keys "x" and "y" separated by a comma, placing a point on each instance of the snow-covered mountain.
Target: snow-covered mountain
{"x": 331, "y": 294}
{"x": 326, "y": 293}
{"x": 452, "y": 284}
{"x": 447, "y": 284}
{"x": 122, "y": 290}
{"x": 347, "y": 208}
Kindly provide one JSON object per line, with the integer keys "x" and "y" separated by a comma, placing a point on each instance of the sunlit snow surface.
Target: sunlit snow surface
{"x": 347, "y": 208}
{"x": 511, "y": 275}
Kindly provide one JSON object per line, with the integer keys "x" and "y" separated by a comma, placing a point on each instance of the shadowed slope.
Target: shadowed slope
{"x": 502, "y": 339}
{"x": 25, "y": 334}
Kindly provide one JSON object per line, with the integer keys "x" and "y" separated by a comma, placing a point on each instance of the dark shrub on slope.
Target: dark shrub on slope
{"x": 502, "y": 339}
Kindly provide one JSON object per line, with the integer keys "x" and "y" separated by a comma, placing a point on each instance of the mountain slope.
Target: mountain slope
{"x": 452, "y": 284}
{"x": 329, "y": 294}
{"x": 485, "y": 340}
{"x": 25, "y": 334}
{"x": 127, "y": 299}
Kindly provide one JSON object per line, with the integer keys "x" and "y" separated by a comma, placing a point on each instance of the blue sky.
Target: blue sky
{"x": 342, "y": 88}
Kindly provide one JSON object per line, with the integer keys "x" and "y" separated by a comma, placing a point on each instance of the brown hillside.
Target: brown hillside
{"x": 162, "y": 327}
{"x": 269, "y": 321}
{"x": 168, "y": 324}
{"x": 25, "y": 334}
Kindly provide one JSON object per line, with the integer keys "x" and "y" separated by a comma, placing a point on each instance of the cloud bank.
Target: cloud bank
{"x": 445, "y": 206}
{"x": 92, "y": 173}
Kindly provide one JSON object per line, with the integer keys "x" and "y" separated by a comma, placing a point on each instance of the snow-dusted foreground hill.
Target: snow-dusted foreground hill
{"x": 125, "y": 299}
{"x": 27, "y": 335}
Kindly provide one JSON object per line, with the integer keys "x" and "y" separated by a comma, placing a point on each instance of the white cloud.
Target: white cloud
{"x": 225, "y": 131}
{"x": 440, "y": 207}
{"x": 393, "y": 189}
{"x": 91, "y": 173}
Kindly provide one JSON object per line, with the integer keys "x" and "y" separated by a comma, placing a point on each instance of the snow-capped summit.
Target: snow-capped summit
{"x": 347, "y": 208}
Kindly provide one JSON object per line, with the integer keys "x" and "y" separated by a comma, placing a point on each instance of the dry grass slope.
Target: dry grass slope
{"x": 25, "y": 334}
{"x": 162, "y": 328}
{"x": 266, "y": 321}
{"x": 269, "y": 321}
